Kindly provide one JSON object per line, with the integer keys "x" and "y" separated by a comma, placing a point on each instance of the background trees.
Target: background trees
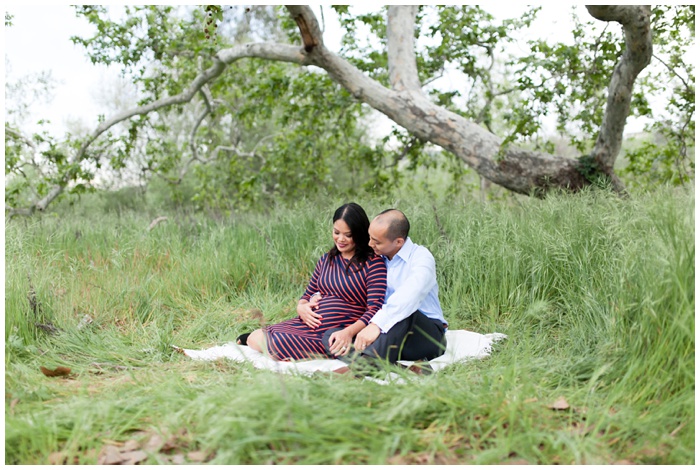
{"x": 237, "y": 132}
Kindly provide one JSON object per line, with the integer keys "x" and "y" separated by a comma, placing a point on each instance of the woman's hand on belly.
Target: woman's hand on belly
{"x": 306, "y": 311}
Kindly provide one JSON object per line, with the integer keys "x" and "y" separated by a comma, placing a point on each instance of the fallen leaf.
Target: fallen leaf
{"x": 155, "y": 443}
{"x": 56, "y": 458}
{"x": 623, "y": 462}
{"x": 174, "y": 440}
{"x": 197, "y": 456}
{"x": 129, "y": 454}
{"x": 131, "y": 445}
{"x": 178, "y": 459}
{"x": 133, "y": 457}
{"x": 110, "y": 455}
{"x": 14, "y": 402}
{"x": 57, "y": 372}
{"x": 559, "y": 404}
{"x": 530, "y": 400}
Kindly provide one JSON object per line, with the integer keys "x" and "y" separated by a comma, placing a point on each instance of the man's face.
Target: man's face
{"x": 380, "y": 243}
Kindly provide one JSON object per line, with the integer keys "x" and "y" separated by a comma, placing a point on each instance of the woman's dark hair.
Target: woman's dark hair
{"x": 356, "y": 218}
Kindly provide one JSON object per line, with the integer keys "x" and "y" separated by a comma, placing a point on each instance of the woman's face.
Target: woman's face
{"x": 342, "y": 237}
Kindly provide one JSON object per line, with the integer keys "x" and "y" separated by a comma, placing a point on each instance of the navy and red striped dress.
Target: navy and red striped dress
{"x": 347, "y": 296}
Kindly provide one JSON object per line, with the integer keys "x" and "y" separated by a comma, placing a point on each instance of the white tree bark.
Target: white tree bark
{"x": 403, "y": 71}
{"x": 635, "y": 21}
{"x": 521, "y": 171}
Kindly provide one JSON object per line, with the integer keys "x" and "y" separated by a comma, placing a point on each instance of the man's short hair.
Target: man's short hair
{"x": 397, "y": 223}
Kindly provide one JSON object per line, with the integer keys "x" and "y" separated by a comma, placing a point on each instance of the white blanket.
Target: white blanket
{"x": 461, "y": 345}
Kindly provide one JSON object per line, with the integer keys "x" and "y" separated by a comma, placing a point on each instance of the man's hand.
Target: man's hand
{"x": 367, "y": 336}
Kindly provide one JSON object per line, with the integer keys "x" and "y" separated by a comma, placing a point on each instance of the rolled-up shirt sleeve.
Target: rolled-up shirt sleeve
{"x": 408, "y": 297}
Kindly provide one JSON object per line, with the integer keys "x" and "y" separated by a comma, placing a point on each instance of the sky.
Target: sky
{"x": 38, "y": 41}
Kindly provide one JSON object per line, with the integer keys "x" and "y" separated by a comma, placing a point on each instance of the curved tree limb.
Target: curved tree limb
{"x": 193, "y": 134}
{"x": 184, "y": 97}
{"x": 515, "y": 169}
{"x": 635, "y": 20}
{"x": 520, "y": 171}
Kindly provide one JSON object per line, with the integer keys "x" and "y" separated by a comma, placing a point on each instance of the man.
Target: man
{"x": 410, "y": 325}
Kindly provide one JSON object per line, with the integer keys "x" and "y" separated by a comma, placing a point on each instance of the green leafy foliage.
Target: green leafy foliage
{"x": 666, "y": 154}
{"x": 271, "y": 131}
{"x": 265, "y": 131}
{"x": 567, "y": 79}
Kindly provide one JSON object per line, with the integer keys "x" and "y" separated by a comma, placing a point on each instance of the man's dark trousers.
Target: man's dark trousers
{"x": 416, "y": 338}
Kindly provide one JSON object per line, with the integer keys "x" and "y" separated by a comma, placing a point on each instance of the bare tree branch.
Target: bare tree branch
{"x": 311, "y": 33}
{"x": 403, "y": 71}
{"x": 673, "y": 72}
{"x": 193, "y": 135}
{"x": 19, "y": 136}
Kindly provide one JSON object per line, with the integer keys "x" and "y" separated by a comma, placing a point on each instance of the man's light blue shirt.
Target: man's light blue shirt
{"x": 411, "y": 285}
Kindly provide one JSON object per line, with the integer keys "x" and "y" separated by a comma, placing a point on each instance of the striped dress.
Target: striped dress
{"x": 346, "y": 297}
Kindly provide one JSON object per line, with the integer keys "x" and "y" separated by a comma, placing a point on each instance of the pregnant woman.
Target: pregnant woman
{"x": 346, "y": 289}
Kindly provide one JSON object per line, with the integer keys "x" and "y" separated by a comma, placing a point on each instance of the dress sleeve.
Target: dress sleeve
{"x": 312, "y": 287}
{"x": 376, "y": 287}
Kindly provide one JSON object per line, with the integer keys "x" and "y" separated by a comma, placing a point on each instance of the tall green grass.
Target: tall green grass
{"x": 595, "y": 293}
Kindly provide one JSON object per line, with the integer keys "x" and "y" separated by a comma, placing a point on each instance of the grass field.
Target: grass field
{"x": 595, "y": 293}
